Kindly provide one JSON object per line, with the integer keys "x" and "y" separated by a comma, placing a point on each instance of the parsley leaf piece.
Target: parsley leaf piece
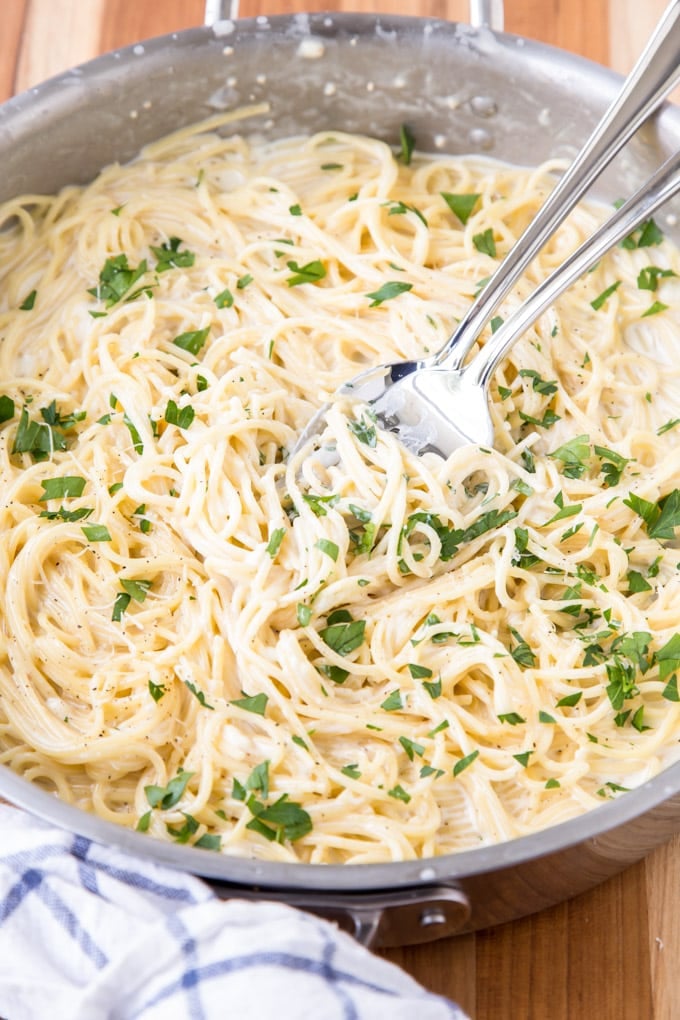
{"x": 335, "y": 673}
{"x": 522, "y": 653}
{"x": 644, "y": 237}
{"x": 144, "y": 822}
{"x": 552, "y": 784}
{"x": 156, "y": 690}
{"x": 654, "y": 309}
{"x": 309, "y": 273}
{"x": 303, "y": 613}
{"x": 523, "y": 758}
{"x": 621, "y": 686}
{"x": 670, "y": 691}
{"x": 317, "y": 504}
{"x": 169, "y": 256}
{"x": 41, "y": 439}
{"x": 329, "y": 548}
{"x": 547, "y": 388}
{"x": 6, "y": 408}
{"x": 670, "y": 424}
{"x": 485, "y": 242}
{"x": 612, "y": 466}
{"x": 388, "y": 291}
{"x": 488, "y": 521}
{"x": 465, "y": 762}
{"x": 433, "y": 687}
{"x": 400, "y": 209}
{"x": 648, "y": 278}
{"x": 600, "y": 300}
{"x": 411, "y": 747}
{"x": 351, "y": 771}
{"x": 399, "y": 793}
{"x": 29, "y": 301}
{"x": 183, "y": 833}
{"x": 393, "y": 702}
{"x": 120, "y": 606}
{"x": 563, "y": 511}
{"x": 134, "y": 434}
{"x": 343, "y": 638}
{"x": 182, "y": 417}
{"x": 284, "y": 819}
{"x": 193, "y": 340}
{"x": 257, "y": 703}
{"x": 546, "y": 422}
{"x": 166, "y": 797}
{"x": 573, "y": 456}
{"x": 295, "y": 210}
{"x": 209, "y": 841}
{"x": 407, "y": 142}
{"x": 58, "y": 488}
{"x": 668, "y": 657}
{"x": 545, "y": 717}
{"x": 135, "y": 589}
{"x": 96, "y": 533}
{"x": 199, "y": 695}
{"x": 512, "y": 718}
{"x": 570, "y": 700}
{"x": 275, "y": 540}
{"x": 418, "y": 672}
{"x": 660, "y": 519}
{"x": 364, "y": 431}
{"x": 461, "y": 205}
{"x": 224, "y": 299}
{"x": 637, "y": 583}
{"x": 116, "y": 279}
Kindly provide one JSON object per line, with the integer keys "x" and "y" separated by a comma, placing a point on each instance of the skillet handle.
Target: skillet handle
{"x": 487, "y": 14}
{"x": 378, "y": 920}
{"x": 483, "y": 13}
{"x": 220, "y": 10}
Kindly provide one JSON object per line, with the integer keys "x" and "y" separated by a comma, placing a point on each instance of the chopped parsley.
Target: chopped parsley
{"x": 257, "y": 703}
{"x": 660, "y": 519}
{"x": 601, "y": 299}
{"x": 407, "y": 142}
{"x": 344, "y": 637}
{"x": 485, "y": 243}
{"x": 192, "y": 341}
{"x": 166, "y": 797}
{"x": 364, "y": 431}
{"x": 388, "y": 291}
{"x": 117, "y": 279}
{"x": 312, "y": 272}
{"x": 182, "y": 417}
{"x": 275, "y": 540}
{"x": 465, "y": 762}
{"x": 168, "y": 256}
{"x": 461, "y": 205}
{"x": 199, "y": 695}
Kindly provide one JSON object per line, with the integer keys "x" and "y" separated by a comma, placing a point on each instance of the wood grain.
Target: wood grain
{"x": 613, "y": 953}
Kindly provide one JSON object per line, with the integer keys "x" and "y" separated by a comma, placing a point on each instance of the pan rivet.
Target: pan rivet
{"x": 432, "y": 915}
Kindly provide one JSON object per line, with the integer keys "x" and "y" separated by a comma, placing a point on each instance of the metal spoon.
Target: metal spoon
{"x": 433, "y": 404}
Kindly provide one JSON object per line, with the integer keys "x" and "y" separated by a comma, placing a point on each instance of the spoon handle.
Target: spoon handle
{"x": 657, "y": 190}
{"x": 648, "y": 83}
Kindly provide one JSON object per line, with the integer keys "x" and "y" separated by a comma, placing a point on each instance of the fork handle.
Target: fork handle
{"x": 653, "y": 76}
{"x": 658, "y": 189}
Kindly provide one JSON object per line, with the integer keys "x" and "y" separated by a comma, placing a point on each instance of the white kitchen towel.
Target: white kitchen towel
{"x": 90, "y": 933}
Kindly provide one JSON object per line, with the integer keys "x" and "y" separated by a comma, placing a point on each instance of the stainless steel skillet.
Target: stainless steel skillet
{"x": 461, "y": 89}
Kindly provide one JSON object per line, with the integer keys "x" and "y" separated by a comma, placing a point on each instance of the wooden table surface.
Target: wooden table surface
{"x": 613, "y": 953}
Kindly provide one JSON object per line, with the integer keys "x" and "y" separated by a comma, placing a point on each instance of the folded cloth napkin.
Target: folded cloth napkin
{"x": 90, "y": 933}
